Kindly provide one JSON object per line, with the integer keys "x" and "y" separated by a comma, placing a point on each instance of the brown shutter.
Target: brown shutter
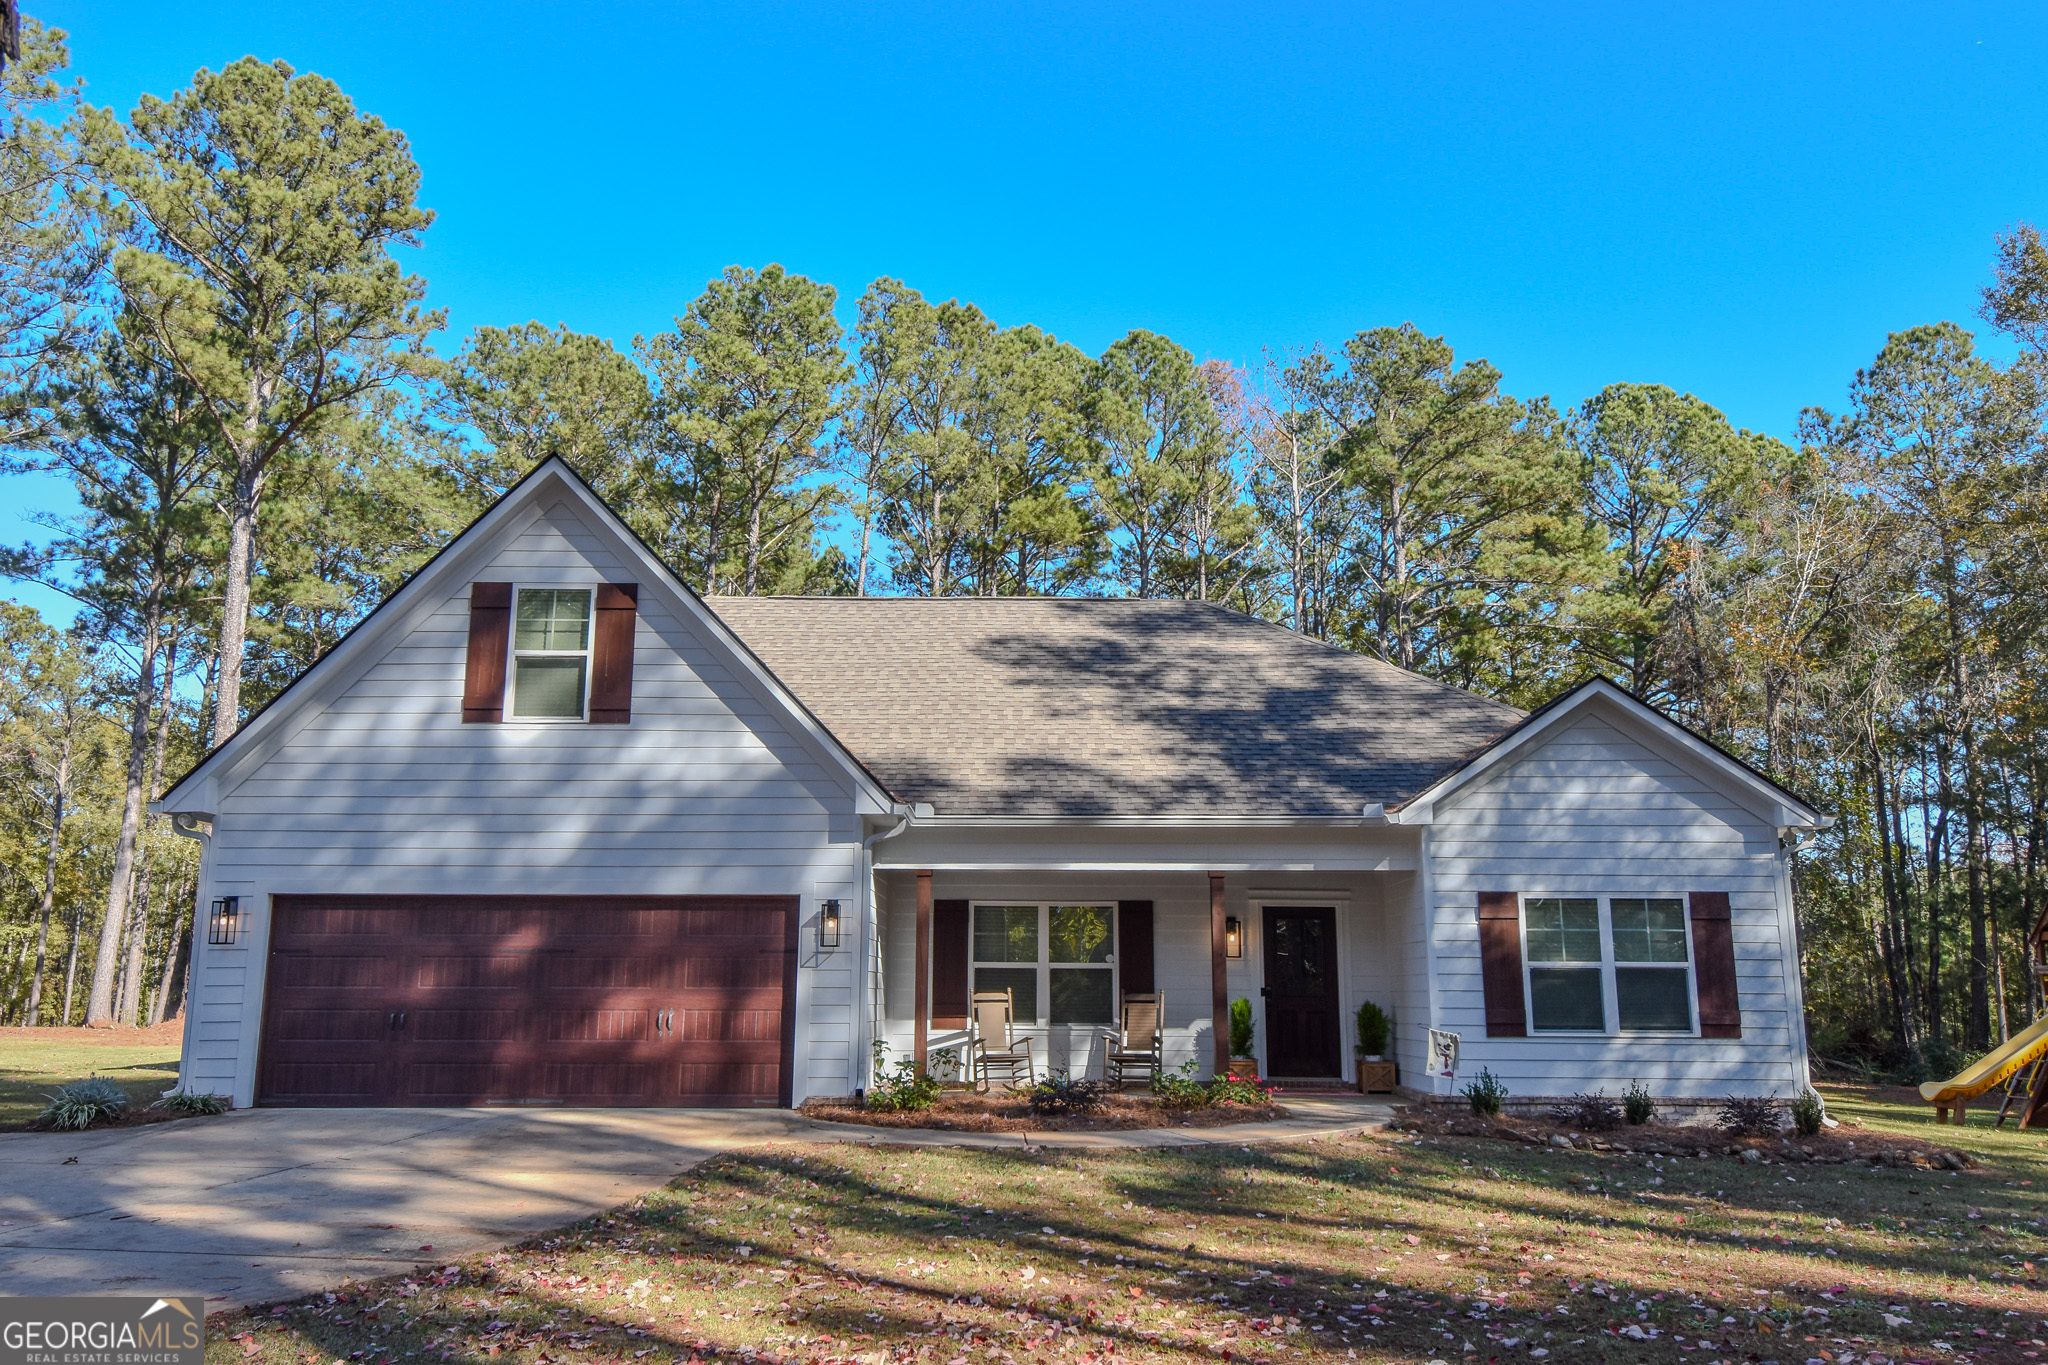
{"x": 1134, "y": 945}
{"x": 483, "y": 673}
{"x": 949, "y": 964}
{"x": 1500, "y": 956}
{"x": 1713, "y": 953}
{"x": 611, "y": 654}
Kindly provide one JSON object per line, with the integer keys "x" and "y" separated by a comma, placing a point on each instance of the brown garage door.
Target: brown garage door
{"x": 592, "y": 1000}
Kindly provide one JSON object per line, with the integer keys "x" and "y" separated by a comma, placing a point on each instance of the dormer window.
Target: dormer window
{"x": 551, "y": 653}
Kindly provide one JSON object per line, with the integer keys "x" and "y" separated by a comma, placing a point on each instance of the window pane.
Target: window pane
{"x": 548, "y": 686}
{"x": 1649, "y": 931}
{"x": 1567, "y": 998}
{"x": 1653, "y": 998}
{"x": 1564, "y": 930}
{"x": 1080, "y": 933}
{"x": 553, "y": 618}
{"x": 1020, "y": 982}
{"x": 1006, "y": 933}
{"x": 1081, "y": 995}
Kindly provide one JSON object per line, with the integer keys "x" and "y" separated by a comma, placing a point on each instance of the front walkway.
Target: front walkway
{"x": 274, "y": 1203}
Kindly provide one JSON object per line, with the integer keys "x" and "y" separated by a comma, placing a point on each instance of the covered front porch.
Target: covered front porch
{"x": 1305, "y": 948}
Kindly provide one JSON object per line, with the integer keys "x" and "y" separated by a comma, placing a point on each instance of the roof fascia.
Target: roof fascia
{"x": 1162, "y": 821}
{"x": 1649, "y": 726}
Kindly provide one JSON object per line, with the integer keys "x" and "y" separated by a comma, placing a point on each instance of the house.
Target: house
{"x": 548, "y": 827}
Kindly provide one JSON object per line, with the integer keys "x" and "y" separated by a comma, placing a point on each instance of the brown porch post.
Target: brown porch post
{"x": 924, "y": 970}
{"x": 1219, "y": 980}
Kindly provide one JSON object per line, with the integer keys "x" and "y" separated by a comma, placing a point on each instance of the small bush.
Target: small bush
{"x": 1372, "y": 1030}
{"x": 1594, "y": 1113}
{"x": 1060, "y": 1093}
{"x": 1747, "y": 1116}
{"x": 83, "y": 1103}
{"x": 1486, "y": 1094}
{"x": 1636, "y": 1105}
{"x": 1180, "y": 1090}
{"x": 901, "y": 1090}
{"x": 1240, "y": 1028}
{"x": 186, "y": 1102}
{"x": 1230, "y": 1090}
{"x": 1807, "y": 1114}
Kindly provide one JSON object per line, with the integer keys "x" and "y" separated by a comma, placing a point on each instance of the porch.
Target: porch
{"x": 1305, "y": 948}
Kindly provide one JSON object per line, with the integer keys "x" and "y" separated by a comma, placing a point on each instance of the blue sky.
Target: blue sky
{"x": 1739, "y": 201}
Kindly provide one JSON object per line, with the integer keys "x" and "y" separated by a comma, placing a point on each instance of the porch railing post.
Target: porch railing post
{"x": 1219, "y": 979}
{"x": 921, "y": 1034}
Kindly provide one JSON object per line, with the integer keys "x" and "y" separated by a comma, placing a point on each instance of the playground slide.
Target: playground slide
{"x": 1997, "y": 1067}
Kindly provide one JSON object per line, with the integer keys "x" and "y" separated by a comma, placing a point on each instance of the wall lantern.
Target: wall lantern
{"x": 1233, "y": 937}
{"x": 224, "y": 920}
{"x": 828, "y": 925}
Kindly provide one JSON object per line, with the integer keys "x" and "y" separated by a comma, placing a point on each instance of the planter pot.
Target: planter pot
{"x": 1376, "y": 1076}
{"x": 1244, "y": 1068}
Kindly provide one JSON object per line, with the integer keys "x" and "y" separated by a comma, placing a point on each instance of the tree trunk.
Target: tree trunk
{"x": 1980, "y": 914}
{"x": 131, "y": 980}
{"x": 170, "y": 973}
{"x": 99, "y": 1007}
{"x": 33, "y": 1014}
{"x": 234, "y": 605}
{"x": 71, "y": 962}
{"x": 178, "y": 959}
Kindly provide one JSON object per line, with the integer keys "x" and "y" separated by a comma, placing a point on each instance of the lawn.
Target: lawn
{"x": 34, "y": 1062}
{"x": 1382, "y": 1248}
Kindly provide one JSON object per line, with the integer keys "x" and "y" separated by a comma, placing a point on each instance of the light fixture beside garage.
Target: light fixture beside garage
{"x": 1233, "y": 937}
{"x": 828, "y": 925}
{"x": 224, "y": 920}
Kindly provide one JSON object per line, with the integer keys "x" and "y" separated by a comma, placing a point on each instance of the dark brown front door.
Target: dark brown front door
{"x": 1301, "y": 991}
{"x": 581, "y": 1000}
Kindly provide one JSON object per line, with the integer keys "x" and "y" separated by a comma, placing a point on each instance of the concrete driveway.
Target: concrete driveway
{"x": 270, "y": 1203}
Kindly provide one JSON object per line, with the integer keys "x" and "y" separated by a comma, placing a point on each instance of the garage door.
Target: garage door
{"x": 587, "y": 1000}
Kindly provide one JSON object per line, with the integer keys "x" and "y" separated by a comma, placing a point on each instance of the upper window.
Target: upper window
{"x": 551, "y": 653}
{"x": 1620, "y": 964}
{"x": 1057, "y": 961}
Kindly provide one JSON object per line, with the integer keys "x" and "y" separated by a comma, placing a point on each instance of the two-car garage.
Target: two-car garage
{"x": 557, "y": 1000}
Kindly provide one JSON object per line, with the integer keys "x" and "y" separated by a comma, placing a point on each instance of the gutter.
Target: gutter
{"x": 865, "y": 969}
{"x": 187, "y": 827}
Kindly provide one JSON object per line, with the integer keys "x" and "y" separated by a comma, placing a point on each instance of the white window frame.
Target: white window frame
{"x": 1046, "y": 964}
{"x": 513, "y": 653}
{"x": 1610, "y": 999}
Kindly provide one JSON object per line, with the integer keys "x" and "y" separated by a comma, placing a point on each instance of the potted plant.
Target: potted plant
{"x": 1243, "y": 1065}
{"x": 1375, "y": 1072}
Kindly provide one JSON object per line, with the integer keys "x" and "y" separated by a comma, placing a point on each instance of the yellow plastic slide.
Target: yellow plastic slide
{"x": 1996, "y": 1067}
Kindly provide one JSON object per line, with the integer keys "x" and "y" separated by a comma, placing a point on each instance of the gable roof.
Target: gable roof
{"x": 550, "y": 482}
{"x": 1110, "y": 706}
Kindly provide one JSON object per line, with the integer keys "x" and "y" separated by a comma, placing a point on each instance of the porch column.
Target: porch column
{"x": 923, "y": 993}
{"x": 1219, "y": 976}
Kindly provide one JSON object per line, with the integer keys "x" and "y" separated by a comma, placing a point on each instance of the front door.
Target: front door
{"x": 1301, "y": 991}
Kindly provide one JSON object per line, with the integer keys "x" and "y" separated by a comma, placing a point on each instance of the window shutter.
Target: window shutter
{"x": 950, "y": 949}
{"x": 490, "y": 635}
{"x": 611, "y": 654}
{"x": 1500, "y": 955}
{"x": 1713, "y": 951}
{"x": 1134, "y": 946}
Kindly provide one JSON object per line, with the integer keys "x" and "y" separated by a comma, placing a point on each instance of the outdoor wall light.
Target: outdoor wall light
{"x": 224, "y": 920}
{"x": 1233, "y": 937}
{"x": 828, "y": 925}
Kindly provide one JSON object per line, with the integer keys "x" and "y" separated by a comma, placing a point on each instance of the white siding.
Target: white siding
{"x": 385, "y": 790}
{"x": 1592, "y": 811}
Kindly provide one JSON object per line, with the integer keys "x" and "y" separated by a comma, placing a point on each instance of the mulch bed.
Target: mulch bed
{"x": 1001, "y": 1113}
{"x": 1830, "y": 1147}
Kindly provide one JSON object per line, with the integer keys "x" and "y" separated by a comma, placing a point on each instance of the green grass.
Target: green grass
{"x": 31, "y": 1067}
{"x": 1370, "y": 1249}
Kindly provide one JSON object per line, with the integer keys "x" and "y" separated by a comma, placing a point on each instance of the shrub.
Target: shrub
{"x": 1180, "y": 1090}
{"x": 1372, "y": 1030}
{"x": 1636, "y": 1105}
{"x": 1594, "y": 1113}
{"x": 186, "y": 1102}
{"x": 1229, "y": 1090}
{"x": 1486, "y": 1094}
{"x": 1060, "y": 1093}
{"x": 1747, "y": 1116}
{"x": 1807, "y": 1114}
{"x": 902, "y": 1090}
{"x": 83, "y": 1103}
{"x": 1240, "y": 1028}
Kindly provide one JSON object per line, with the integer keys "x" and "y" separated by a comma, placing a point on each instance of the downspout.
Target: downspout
{"x": 866, "y": 970}
{"x": 187, "y": 827}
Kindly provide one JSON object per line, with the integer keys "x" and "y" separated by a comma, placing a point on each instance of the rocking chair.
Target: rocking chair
{"x": 994, "y": 1046}
{"x": 1141, "y": 1045}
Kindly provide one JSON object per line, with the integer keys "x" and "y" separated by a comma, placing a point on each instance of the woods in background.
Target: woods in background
{"x": 205, "y": 331}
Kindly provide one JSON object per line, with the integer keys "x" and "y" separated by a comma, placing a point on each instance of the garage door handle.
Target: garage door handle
{"x": 398, "y": 1018}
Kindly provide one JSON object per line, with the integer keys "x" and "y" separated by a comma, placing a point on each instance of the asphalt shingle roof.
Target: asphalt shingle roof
{"x": 1092, "y": 706}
